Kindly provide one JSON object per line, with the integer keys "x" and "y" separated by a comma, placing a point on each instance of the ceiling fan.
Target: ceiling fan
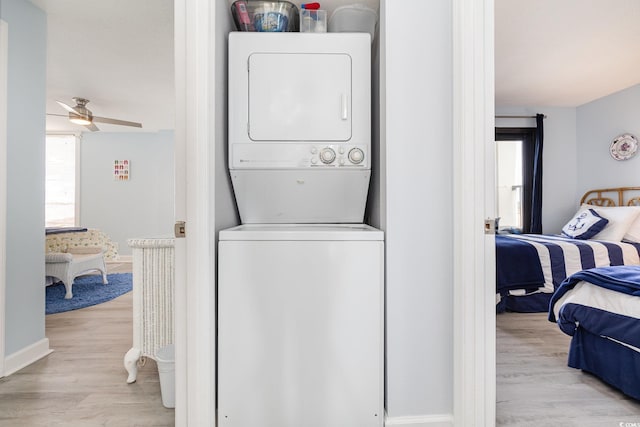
{"x": 81, "y": 115}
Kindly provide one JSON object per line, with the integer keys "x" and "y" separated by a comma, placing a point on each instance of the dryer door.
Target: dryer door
{"x": 299, "y": 97}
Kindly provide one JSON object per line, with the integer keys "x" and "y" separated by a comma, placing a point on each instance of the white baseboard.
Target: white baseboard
{"x": 444, "y": 420}
{"x": 18, "y": 360}
{"x": 121, "y": 258}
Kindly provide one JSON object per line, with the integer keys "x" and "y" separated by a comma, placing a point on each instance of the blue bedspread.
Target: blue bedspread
{"x": 530, "y": 266}
{"x": 598, "y": 320}
{"x": 517, "y": 265}
{"x": 622, "y": 278}
{"x": 604, "y": 326}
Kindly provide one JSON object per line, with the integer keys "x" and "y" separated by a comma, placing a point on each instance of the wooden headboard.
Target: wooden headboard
{"x": 619, "y": 196}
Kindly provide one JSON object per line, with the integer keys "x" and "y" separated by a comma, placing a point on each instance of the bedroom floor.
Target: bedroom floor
{"x": 535, "y": 387}
{"x": 83, "y": 382}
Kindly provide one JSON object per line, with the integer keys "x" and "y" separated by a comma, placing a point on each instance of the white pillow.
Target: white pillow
{"x": 621, "y": 219}
{"x": 633, "y": 233}
{"x": 586, "y": 224}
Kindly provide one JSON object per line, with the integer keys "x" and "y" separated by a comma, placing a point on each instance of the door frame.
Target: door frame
{"x": 4, "y": 62}
{"x": 474, "y": 303}
{"x": 474, "y": 192}
{"x": 194, "y": 203}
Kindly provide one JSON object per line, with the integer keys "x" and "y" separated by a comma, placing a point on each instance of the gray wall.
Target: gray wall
{"x": 559, "y": 174}
{"x": 599, "y": 122}
{"x": 225, "y": 208}
{"x": 140, "y": 207}
{"x": 418, "y": 203}
{"x": 576, "y": 150}
{"x": 25, "y": 174}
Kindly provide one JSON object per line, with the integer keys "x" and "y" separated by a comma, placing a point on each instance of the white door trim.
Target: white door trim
{"x": 180, "y": 313}
{"x": 474, "y": 253}
{"x": 195, "y": 255}
{"x": 4, "y": 62}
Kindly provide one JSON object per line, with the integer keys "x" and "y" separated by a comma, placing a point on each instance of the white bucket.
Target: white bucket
{"x": 355, "y": 18}
{"x": 165, "y": 358}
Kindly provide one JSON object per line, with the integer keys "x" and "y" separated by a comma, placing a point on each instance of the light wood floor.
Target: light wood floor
{"x": 535, "y": 387}
{"x": 83, "y": 382}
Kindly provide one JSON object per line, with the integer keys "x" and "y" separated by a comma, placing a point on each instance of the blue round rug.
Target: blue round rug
{"x": 87, "y": 291}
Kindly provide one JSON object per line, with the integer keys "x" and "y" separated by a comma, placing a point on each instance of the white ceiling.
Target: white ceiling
{"x": 565, "y": 53}
{"x": 119, "y": 55}
{"x": 116, "y": 53}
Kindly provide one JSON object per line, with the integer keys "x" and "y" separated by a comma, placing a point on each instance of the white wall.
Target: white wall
{"x": 25, "y": 174}
{"x": 560, "y": 165}
{"x": 417, "y": 190}
{"x": 140, "y": 207}
{"x": 373, "y": 212}
{"x": 225, "y": 208}
{"x": 598, "y": 123}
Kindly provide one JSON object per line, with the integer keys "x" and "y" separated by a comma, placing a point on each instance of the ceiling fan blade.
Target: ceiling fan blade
{"x": 92, "y": 127}
{"x": 116, "y": 122}
{"x": 68, "y": 108}
{"x": 58, "y": 115}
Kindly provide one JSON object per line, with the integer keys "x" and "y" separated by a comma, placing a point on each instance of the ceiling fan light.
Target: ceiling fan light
{"x": 79, "y": 120}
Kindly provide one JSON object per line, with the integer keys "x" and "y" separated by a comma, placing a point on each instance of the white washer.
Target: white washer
{"x": 300, "y": 326}
{"x": 300, "y": 126}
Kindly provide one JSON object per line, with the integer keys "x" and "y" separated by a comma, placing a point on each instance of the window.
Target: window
{"x": 60, "y": 184}
{"x": 509, "y": 183}
{"x": 514, "y": 176}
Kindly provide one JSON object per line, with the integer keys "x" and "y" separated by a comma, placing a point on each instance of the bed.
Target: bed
{"x": 600, "y": 309}
{"x": 605, "y": 231}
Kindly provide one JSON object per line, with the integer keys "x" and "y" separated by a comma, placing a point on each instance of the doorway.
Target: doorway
{"x": 93, "y": 81}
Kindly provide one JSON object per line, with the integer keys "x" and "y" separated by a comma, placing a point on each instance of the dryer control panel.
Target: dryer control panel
{"x": 269, "y": 156}
{"x": 299, "y": 100}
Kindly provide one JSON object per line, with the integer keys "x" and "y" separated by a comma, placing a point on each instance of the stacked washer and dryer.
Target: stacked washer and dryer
{"x": 300, "y": 282}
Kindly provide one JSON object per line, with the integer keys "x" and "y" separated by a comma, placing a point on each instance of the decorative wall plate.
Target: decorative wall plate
{"x": 624, "y": 147}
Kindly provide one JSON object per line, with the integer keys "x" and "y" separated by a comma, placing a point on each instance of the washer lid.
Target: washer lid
{"x": 302, "y": 232}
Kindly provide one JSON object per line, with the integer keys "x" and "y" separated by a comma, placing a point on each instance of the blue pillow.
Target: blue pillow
{"x": 584, "y": 225}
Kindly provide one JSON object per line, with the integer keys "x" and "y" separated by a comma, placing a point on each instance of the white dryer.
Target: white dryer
{"x": 300, "y": 126}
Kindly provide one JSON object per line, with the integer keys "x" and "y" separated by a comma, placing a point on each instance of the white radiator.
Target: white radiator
{"x": 153, "y": 296}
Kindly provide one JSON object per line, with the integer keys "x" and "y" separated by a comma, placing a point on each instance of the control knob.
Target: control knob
{"x": 327, "y": 155}
{"x": 356, "y": 156}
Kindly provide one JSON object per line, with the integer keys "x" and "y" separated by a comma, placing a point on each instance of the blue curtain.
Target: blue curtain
{"x": 536, "y": 191}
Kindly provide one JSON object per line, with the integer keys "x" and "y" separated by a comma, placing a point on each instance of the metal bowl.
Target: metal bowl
{"x": 265, "y": 16}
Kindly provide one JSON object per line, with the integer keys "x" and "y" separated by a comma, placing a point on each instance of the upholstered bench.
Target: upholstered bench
{"x": 66, "y": 266}
{"x": 66, "y": 239}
